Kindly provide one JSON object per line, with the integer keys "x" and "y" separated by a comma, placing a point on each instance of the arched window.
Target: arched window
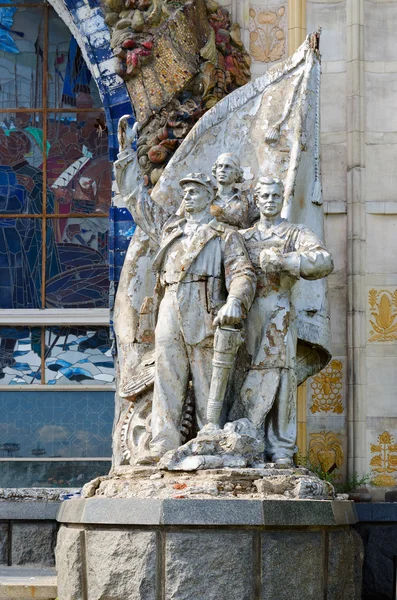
{"x": 55, "y": 193}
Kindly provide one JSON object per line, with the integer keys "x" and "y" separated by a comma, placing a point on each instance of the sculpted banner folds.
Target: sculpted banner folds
{"x": 270, "y": 126}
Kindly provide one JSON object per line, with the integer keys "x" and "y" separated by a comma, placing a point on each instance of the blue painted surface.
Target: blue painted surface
{"x": 378, "y": 511}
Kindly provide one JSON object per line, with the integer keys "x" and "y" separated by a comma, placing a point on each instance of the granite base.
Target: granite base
{"x": 180, "y": 549}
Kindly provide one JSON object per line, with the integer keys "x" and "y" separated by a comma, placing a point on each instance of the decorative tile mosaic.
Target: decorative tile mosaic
{"x": 20, "y": 261}
{"x": 21, "y": 57}
{"x": 83, "y": 277}
{"x": 20, "y": 356}
{"x": 76, "y": 355}
{"x": 70, "y": 82}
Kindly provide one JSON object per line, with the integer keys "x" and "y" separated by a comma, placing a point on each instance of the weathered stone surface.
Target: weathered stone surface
{"x": 43, "y": 494}
{"x": 121, "y": 565}
{"x": 209, "y": 565}
{"x": 3, "y": 543}
{"x": 208, "y": 512}
{"x": 269, "y": 109}
{"x": 292, "y": 565}
{"x": 239, "y": 444}
{"x": 33, "y": 544}
{"x": 345, "y": 565}
{"x": 267, "y": 480}
{"x": 69, "y": 563}
{"x": 18, "y": 583}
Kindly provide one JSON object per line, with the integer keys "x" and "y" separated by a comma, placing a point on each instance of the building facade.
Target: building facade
{"x": 60, "y": 100}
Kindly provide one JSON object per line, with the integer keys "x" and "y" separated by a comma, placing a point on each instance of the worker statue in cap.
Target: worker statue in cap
{"x": 204, "y": 280}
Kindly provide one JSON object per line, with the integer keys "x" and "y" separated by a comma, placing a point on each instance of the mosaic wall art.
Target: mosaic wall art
{"x": 78, "y": 190}
{"x": 56, "y": 356}
{"x": 22, "y": 62}
{"x": 56, "y": 425}
{"x": 58, "y": 128}
{"x": 20, "y": 355}
{"x": 76, "y": 355}
{"x": 21, "y": 57}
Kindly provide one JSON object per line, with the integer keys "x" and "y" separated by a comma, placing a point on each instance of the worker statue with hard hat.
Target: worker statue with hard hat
{"x": 204, "y": 280}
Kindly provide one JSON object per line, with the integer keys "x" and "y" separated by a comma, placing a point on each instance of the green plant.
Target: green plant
{"x": 303, "y": 461}
{"x": 352, "y": 483}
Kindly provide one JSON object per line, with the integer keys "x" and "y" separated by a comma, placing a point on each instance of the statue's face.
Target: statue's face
{"x": 270, "y": 199}
{"x": 195, "y": 196}
{"x": 226, "y": 172}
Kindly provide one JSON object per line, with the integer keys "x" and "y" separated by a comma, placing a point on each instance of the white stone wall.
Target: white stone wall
{"x": 327, "y": 393}
{"x": 352, "y": 405}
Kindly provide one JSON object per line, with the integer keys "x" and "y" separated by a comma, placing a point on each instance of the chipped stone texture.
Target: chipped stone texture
{"x": 264, "y": 481}
{"x": 304, "y": 551}
{"x": 38, "y": 494}
{"x": 121, "y": 564}
{"x": 210, "y": 565}
{"x": 69, "y": 563}
{"x": 239, "y": 444}
{"x": 33, "y": 544}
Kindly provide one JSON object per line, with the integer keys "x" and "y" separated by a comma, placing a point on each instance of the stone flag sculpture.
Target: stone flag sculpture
{"x": 272, "y": 126}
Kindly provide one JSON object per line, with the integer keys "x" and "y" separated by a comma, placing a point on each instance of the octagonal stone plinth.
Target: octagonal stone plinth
{"x": 178, "y": 549}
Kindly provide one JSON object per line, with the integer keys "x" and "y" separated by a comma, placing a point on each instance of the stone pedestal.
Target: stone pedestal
{"x": 208, "y": 549}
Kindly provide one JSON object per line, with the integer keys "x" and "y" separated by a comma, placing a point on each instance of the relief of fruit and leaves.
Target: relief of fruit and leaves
{"x": 383, "y": 311}
{"x": 267, "y": 37}
{"x": 326, "y": 389}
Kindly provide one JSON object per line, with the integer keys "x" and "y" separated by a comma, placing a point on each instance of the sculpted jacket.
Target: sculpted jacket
{"x": 271, "y": 335}
{"x": 202, "y": 266}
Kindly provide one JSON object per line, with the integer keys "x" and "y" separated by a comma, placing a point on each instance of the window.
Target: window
{"x": 55, "y": 193}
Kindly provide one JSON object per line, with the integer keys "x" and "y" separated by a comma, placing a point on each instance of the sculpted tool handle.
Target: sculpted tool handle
{"x": 226, "y": 344}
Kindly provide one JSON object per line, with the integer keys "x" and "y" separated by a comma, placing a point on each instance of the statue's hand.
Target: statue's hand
{"x": 230, "y": 314}
{"x": 125, "y": 133}
{"x": 127, "y": 169}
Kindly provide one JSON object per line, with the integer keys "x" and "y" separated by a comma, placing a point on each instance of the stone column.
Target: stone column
{"x": 296, "y": 36}
{"x": 356, "y": 238}
{"x": 296, "y": 24}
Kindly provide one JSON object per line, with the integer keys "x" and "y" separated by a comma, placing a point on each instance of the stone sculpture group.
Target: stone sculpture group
{"x": 225, "y": 266}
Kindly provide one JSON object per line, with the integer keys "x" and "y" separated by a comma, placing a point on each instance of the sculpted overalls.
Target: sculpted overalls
{"x": 269, "y": 390}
